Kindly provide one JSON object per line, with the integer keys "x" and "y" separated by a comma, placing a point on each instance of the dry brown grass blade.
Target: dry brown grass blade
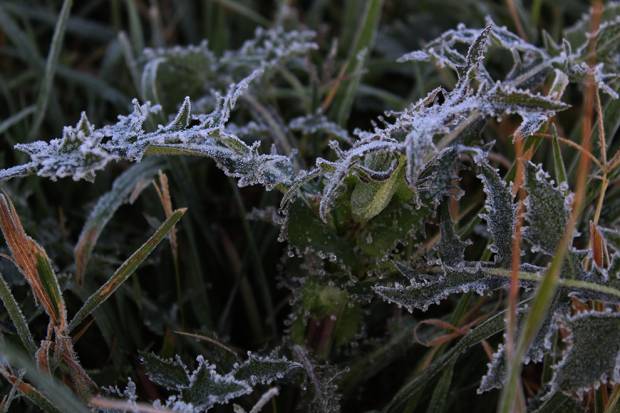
{"x": 33, "y": 263}
{"x": 163, "y": 191}
{"x": 105, "y": 403}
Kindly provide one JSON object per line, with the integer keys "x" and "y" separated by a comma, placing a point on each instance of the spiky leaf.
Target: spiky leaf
{"x": 170, "y": 373}
{"x": 258, "y": 369}
{"x": 592, "y": 357}
{"x": 547, "y": 210}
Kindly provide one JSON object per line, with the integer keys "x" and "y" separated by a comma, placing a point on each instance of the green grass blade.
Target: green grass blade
{"x": 17, "y": 317}
{"x": 558, "y": 161}
{"x": 105, "y": 208}
{"x": 244, "y": 11}
{"x": 439, "y": 398}
{"x": 24, "y": 45}
{"x": 364, "y": 40}
{"x": 412, "y": 388}
{"x": 16, "y": 118}
{"x": 135, "y": 26}
{"x": 125, "y": 270}
{"x": 531, "y": 324}
{"x": 50, "y": 66}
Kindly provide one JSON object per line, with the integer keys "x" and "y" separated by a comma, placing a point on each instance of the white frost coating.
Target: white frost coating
{"x": 422, "y": 294}
{"x": 592, "y": 356}
{"x": 318, "y": 123}
{"x": 264, "y": 370}
{"x": 83, "y": 150}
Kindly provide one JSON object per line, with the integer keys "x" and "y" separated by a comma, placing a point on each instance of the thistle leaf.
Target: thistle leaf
{"x": 264, "y": 370}
{"x": 592, "y": 356}
{"x": 547, "y": 210}
{"x": 207, "y": 387}
{"x": 170, "y": 373}
{"x": 306, "y": 232}
{"x": 431, "y": 289}
{"x": 499, "y": 213}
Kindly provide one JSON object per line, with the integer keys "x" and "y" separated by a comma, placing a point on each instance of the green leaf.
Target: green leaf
{"x": 592, "y": 354}
{"x": 426, "y": 289}
{"x": 395, "y": 224}
{"x": 170, "y": 373}
{"x": 305, "y": 231}
{"x": 499, "y": 213}
{"x": 361, "y": 48}
{"x": 50, "y": 65}
{"x": 548, "y": 209}
{"x": 125, "y": 270}
{"x": 558, "y": 162}
{"x": 208, "y": 387}
{"x": 369, "y": 198}
{"x": 439, "y": 399}
{"x": 107, "y": 205}
{"x": 263, "y": 370}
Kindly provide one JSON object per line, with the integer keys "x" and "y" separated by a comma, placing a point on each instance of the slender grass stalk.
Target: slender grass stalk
{"x": 125, "y": 270}
{"x": 17, "y": 317}
{"x": 51, "y": 66}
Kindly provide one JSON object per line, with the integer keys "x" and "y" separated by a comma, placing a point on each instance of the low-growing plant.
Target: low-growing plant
{"x": 428, "y": 203}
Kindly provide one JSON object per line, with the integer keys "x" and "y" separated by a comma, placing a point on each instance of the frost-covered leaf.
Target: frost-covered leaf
{"x": 269, "y": 46}
{"x": 444, "y": 50}
{"x": 168, "y": 75}
{"x": 306, "y": 232}
{"x": 592, "y": 356}
{"x": 499, "y": 211}
{"x": 534, "y": 109}
{"x": 318, "y": 123}
{"x": 170, "y": 373}
{"x": 83, "y": 150}
{"x": 451, "y": 248}
{"x": 426, "y": 289}
{"x": 79, "y": 153}
{"x": 258, "y": 369}
{"x": 439, "y": 177}
{"x": 548, "y": 209}
{"x": 341, "y": 168}
{"x": 207, "y": 387}
{"x": 496, "y": 368}
{"x": 395, "y": 224}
